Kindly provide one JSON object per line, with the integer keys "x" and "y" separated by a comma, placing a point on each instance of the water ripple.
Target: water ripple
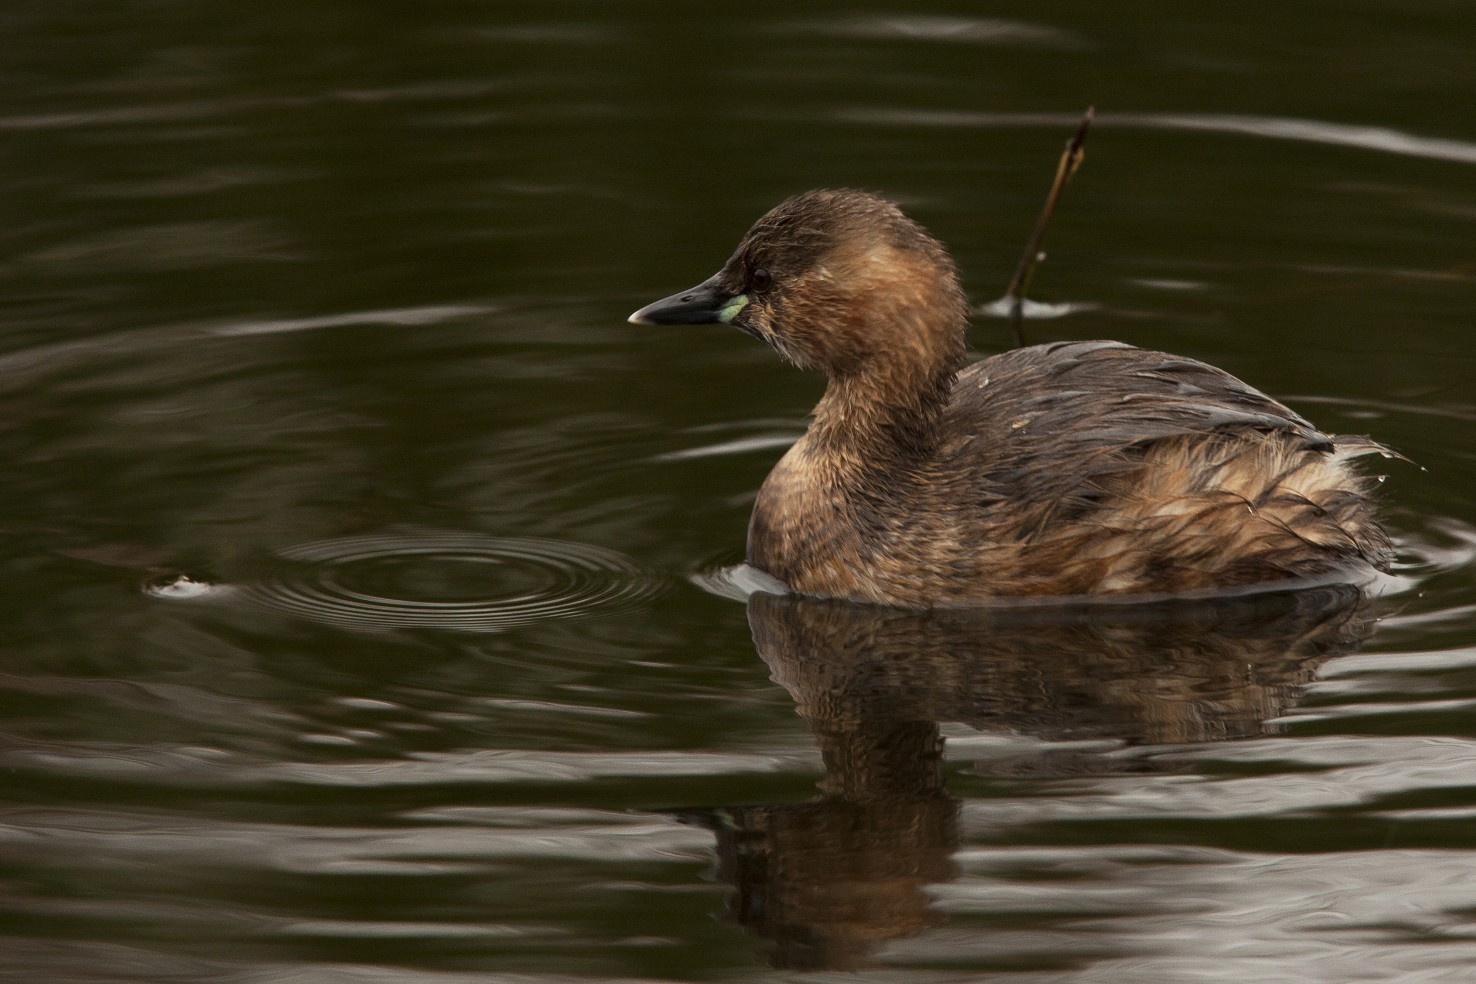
{"x": 953, "y": 30}
{"x": 1377, "y": 138}
{"x": 394, "y": 317}
{"x": 459, "y": 581}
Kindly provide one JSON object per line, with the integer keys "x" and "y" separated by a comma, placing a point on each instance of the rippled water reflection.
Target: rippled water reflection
{"x": 452, "y": 581}
{"x": 323, "y": 308}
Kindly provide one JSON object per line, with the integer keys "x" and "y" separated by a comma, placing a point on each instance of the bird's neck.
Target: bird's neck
{"x": 891, "y": 408}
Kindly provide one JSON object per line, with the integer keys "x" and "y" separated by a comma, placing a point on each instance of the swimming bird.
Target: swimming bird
{"x": 1072, "y": 468}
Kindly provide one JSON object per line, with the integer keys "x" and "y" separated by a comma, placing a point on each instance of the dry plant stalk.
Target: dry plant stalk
{"x": 1071, "y": 159}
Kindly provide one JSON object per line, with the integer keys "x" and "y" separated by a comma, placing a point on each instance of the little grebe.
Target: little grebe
{"x": 1074, "y": 468}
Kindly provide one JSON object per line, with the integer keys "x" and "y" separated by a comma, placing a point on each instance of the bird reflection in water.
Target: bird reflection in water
{"x": 826, "y": 882}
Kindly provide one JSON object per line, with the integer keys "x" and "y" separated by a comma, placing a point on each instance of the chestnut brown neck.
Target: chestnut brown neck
{"x": 890, "y": 405}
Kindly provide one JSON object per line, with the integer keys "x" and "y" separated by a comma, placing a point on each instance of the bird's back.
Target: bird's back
{"x": 1097, "y": 467}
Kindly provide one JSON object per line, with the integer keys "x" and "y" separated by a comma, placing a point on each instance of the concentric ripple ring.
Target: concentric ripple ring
{"x": 466, "y": 582}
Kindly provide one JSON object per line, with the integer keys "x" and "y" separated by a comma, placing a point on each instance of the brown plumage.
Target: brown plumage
{"x": 1076, "y": 468}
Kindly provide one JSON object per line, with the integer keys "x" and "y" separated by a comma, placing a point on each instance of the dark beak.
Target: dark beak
{"x": 706, "y": 304}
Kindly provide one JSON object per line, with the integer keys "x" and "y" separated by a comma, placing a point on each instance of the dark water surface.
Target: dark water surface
{"x": 323, "y": 305}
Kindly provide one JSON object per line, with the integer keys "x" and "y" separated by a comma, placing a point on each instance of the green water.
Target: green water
{"x": 323, "y": 305}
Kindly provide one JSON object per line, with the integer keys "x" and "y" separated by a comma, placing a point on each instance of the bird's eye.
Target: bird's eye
{"x": 760, "y": 279}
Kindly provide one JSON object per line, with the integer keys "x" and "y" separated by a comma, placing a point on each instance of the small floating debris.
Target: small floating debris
{"x": 182, "y": 587}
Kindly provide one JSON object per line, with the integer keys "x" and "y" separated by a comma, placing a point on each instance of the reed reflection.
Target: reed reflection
{"x": 826, "y": 882}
